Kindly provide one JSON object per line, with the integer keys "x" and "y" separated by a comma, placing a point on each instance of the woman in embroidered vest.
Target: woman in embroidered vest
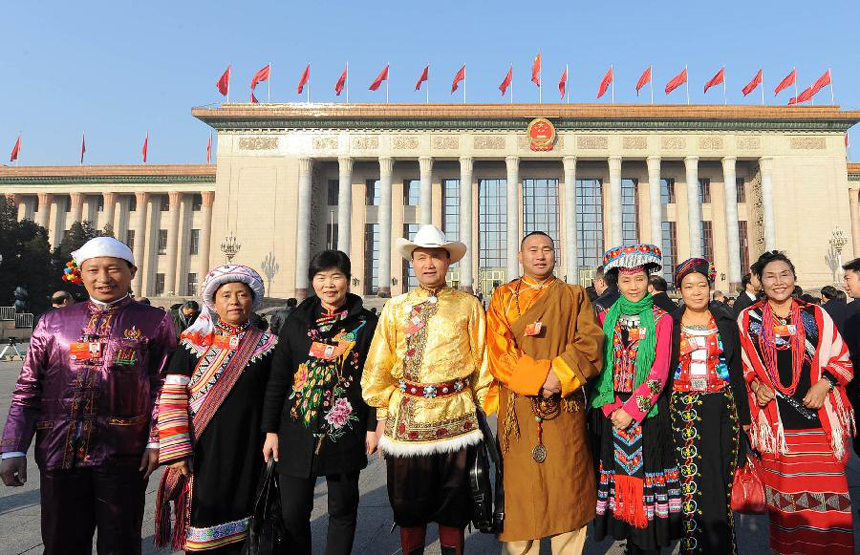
{"x": 708, "y": 405}
{"x": 315, "y": 420}
{"x": 796, "y": 367}
{"x": 210, "y": 418}
{"x": 638, "y": 495}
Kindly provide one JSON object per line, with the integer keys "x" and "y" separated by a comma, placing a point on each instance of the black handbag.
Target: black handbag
{"x": 266, "y": 529}
{"x": 488, "y": 506}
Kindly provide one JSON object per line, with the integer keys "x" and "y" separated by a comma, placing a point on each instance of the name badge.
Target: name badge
{"x": 321, "y": 350}
{"x": 636, "y": 334}
{"x": 534, "y": 329}
{"x": 785, "y": 331}
{"x": 415, "y": 324}
{"x": 84, "y": 351}
{"x": 227, "y": 341}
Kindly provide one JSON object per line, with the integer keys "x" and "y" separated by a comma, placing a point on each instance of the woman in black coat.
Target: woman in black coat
{"x": 708, "y": 407}
{"x": 313, "y": 411}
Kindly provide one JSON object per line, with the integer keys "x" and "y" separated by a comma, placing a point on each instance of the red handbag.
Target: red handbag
{"x": 748, "y": 489}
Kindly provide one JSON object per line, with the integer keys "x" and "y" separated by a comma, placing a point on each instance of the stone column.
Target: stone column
{"x": 110, "y": 211}
{"x": 854, "y": 211}
{"x": 466, "y": 223}
{"x": 386, "y": 168}
{"x": 731, "y": 198}
{"x": 77, "y": 212}
{"x": 344, "y": 204}
{"x": 44, "y": 213}
{"x": 513, "y": 236}
{"x": 656, "y": 208}
{"x": 140, "y": 234}
{"x": 694, "y": 205}
{"x": 571, "y": 252}
{"x": 767, "y": 203}
{"x": 170, "y": 285}
{"x": 617, "y": 233}
{"x": 425, "y": 205}
{"x": 205, "y": 235}
{"x": 303, "y": 230}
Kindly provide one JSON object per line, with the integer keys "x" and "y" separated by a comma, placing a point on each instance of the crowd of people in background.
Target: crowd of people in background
{"x": 629, "y": 404}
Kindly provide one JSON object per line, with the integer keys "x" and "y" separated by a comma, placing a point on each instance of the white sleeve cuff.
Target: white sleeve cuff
{"x": 153, "y": 445}
{"x": 12, "y": 455}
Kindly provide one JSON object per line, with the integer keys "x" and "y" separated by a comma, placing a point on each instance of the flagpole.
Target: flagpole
{"x": 724, "y": 86}
{"x": 795, "y": 82}
{"x": 229, "y": 76}
{"x": 309, "y": 83}
{"x": 832, "y": 97}
{"x": 512, "y": 83}
{"x": 687, "y": 82}
{"x": 388, "y": 78}
{"x": 540, "y": 78}
{"x": 762, "y": 87}
{"x": 464, "y": 83}
{"x": 269, "y": 85}
{"x": 427, "y": 84}
{"x": 652, "y": 83}
{"x": 567, "y": 75}
{"x": 611, "y": 68}
{"x": 347, "y": 82}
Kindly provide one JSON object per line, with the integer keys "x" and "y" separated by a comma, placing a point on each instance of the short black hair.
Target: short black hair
{"x": 541, "y": 233}
{"x": 658, "y": 283}
{"x": 292, "y": 301}
{"x": 768, "y": 257}
{"x": 829, "y": 292}
{"x": 746, "y": 280}
{"x": 610, "y": 278}
{"x": 330, "y": 260}
{"x": 192, "y": 305}
{"x": 60, "y": 296}
{"x": 853, "y": 265}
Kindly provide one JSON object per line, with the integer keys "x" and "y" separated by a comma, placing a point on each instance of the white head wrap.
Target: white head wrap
{"x": 218, "y": 276}
{"x": 103, "y": 246}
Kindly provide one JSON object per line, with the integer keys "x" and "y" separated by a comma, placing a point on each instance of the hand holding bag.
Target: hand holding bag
{"x": 266, "y": 529}
{"x": 748, "y": 489}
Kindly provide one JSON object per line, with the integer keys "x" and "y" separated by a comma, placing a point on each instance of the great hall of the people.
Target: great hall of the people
{"x": 725, "y": 182}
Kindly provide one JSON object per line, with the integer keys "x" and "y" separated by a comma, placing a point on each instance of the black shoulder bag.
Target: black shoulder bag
{"x": 484, "y": 517}
{"x": 266, "y": 529}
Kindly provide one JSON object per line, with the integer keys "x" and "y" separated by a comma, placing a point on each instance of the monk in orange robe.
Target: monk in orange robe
{"x": 544, "y": 343}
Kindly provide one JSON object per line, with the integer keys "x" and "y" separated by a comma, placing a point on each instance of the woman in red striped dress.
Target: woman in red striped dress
{"x": 796, "y": 367}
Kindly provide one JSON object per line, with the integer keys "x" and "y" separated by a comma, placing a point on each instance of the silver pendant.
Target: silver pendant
{"x": 539, "y": 453}
{"x": 432, "y": 300}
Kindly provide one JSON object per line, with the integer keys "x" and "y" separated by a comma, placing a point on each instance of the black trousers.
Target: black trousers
{"x": 77, "y": 502}
{"x": 297, "y": 499}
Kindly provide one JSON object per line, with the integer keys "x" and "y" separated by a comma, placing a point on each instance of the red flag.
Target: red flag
{"x": 15, "y": 150}
{"x": 536, "y": 70}
{"x": 306, "y": 76}
{"x": 507, "y": 81}
{"x": 804, "y": 95}
{"x": 822, "y": 82}
{"x": 676, "y": 81}
{"x": 753, "y": 85}
{"x": 224, "y": 83}
{"x": 562, "y": 84}
{"x": 789, "y": 80}
{"x": 209, "y": 150}
{"x": 461, "y": 75}
{"x": 604, "y": 85}
{"x": 644, "y": 80}
{"x": 259, "y": 77}
{"x": 383, "y": 76}
{"x": 717, "y": 79}
{"x": 145, "y": 147}
{"x": 424, "y": 76}
{"x": 338, "y": 88}
{"x": 83, "y": 146}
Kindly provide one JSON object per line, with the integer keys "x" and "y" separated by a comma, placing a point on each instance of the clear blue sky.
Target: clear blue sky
{"x": 116, "y": 69}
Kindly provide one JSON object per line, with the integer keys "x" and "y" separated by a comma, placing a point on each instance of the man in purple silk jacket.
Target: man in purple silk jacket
{"x": 88, "y": 391}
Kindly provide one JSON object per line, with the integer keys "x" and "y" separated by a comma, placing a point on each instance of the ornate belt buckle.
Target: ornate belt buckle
{"x": 699, "y": 384}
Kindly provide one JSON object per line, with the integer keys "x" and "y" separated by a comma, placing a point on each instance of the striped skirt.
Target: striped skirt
{"x": 807, "y": 497}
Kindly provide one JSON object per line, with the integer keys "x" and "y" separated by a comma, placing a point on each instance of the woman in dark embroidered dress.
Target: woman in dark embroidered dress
{"x": 316, "y": 422}
{"x": 638, "y": 494}
{"x": 708, "y": 406}
{"x": 210, "y": 418}
{"x": 796, "y": 367}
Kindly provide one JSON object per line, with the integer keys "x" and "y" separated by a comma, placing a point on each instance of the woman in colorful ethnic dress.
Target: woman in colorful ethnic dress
{"x": 638, "y": 495}
{"x": 316, "y": 422}
{"x": 707, "y": 407}
{"x": 796, "y": 367}
{"x": 210, "y": 418}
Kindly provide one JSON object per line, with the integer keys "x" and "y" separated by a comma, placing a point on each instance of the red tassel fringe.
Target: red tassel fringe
{"x": 173, "y": 487}
{"x": 630, "y": 501}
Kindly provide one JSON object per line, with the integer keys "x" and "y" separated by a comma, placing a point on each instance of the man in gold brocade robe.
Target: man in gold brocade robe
{"x": 544, "y": 343}
{"x": 426, "y": 374}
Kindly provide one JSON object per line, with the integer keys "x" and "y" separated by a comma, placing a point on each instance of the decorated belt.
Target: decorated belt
{"x": 430, "y": 391}
{"x": 700, "y": 385}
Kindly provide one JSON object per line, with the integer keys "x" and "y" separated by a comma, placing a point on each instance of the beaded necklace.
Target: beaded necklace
{"x": 769, "y": 347}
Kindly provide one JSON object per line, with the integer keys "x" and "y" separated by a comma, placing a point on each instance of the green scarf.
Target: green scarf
{"x": 645, "y": 355}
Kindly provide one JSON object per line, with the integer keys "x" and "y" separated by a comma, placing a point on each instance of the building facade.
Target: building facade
{"x": 725, "y": 182}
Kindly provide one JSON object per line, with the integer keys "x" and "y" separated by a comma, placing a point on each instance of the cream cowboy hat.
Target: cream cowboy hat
{"x": 430, "y": 237}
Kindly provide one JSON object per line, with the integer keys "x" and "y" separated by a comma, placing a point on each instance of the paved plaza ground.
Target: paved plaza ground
{"x": 19, "y": 511}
